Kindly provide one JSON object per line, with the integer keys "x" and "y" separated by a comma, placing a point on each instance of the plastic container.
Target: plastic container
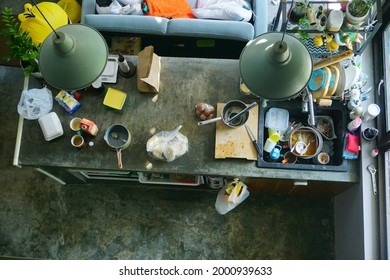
{"x": 51, "y": 126}
{"x": 277, "y": 119}
{"x": 354, "y": 124}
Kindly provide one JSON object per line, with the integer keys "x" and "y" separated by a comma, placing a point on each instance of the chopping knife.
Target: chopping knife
{"x": 253, "y": 138}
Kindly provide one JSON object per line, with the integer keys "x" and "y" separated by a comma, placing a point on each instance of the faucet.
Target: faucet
{"x": 307, "y": 105}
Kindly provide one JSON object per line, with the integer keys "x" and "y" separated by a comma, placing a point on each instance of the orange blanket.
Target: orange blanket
{"x": 169, "y": 8}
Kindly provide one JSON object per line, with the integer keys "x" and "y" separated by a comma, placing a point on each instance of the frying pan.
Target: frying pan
{"x": 118, "y": 137}
{"x": 234, "y": 114}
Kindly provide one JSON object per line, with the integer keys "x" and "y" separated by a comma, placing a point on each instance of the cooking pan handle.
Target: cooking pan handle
{"x": 119, "y": 156}
{"x": 210, "y": 121}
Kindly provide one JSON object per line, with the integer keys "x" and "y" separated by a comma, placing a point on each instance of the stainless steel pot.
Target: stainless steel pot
{"x": 234, "y": 113}
{"x": 118, "y": 137}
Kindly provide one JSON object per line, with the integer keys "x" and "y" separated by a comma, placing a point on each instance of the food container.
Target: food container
{"x": 325, "y": 126}
{"x": 51, "y": 126}
{"x": 311, "y": 138}
{"x": 277, "y": 119}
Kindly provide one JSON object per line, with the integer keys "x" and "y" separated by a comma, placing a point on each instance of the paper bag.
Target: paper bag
{"x": 148, "y": 72}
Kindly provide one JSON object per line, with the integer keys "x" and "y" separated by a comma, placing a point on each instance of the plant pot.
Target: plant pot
{"x": 35, "y": 74}
{"x": 354, "y": 19}
{"x": 296, "y": 13}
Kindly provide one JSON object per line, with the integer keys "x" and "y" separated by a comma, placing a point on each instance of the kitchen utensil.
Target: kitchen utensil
{"x": 274, "y": 135}
{"x": 371, "y": 168}
{"x": 228, "y": 113}
{"x": 333, "y": 59}
{"x": 234, "y": 116}
{"x": 117, "y": 143}
{"x": 306, "y": 135}
{"x": 269, "y": 145}
{"x": 289, "y": 157}
{"x": 323, "y": 158}
{"x": 253, "y": 138}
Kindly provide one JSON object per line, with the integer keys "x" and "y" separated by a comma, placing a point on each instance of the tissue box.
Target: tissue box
{"x": 51, "y": 126}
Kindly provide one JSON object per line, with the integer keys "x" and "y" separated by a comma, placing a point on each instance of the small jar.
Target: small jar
{"x": 354, "y": 124}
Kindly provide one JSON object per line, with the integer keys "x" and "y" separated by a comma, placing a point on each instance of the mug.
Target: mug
{"x": 273, "y": 135}
{"x": 77, "y": 141}
{"x": 269, "y": 145}
{"x": 373, "y": 110}
{"x": 75, "y": 124}
{"x": 323, "y": 158}
{"x": 370, "y": 133}
{"x": 289, "y": 157}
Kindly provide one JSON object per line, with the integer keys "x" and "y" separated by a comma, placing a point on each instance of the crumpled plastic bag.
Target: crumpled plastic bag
{"x": 230, "y": 196}
{"x": 167, "y": 145}
{"x": 35, "y": 103}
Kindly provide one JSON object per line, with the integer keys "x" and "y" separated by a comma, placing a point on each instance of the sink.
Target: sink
{"x": 337, "y": 112}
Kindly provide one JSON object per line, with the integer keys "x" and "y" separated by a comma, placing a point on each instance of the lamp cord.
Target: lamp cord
{"x": 285, "y": 28}
{"x": 58, "y": 36}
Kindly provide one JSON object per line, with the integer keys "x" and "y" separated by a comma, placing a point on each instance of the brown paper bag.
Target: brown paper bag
{"x": 148, "y": 70}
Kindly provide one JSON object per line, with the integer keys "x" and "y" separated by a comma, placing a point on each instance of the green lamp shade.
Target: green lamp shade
{"x": 273, "y": 69}
{"x": 73, "y": 57}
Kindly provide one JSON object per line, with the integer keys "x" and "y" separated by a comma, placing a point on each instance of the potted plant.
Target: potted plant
{"x": 20, "y": 44}
{"x": 357, "y": 10}
{"x": 298, "y": 11}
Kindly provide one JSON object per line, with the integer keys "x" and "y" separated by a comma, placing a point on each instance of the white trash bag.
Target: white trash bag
{"x": 167, "y": 145}
{"x": 35, "y": 103}
{"x": 230, "y": 196}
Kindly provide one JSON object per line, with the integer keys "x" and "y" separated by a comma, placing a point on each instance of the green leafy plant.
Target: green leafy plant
{"x": 21, "y": 45}
{"x": 359, "y": 8}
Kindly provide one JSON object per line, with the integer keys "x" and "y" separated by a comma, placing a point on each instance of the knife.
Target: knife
{"x": 254, "y": 141}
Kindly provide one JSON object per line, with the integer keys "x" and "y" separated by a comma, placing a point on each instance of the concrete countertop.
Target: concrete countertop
{"x": 184, "y": 83}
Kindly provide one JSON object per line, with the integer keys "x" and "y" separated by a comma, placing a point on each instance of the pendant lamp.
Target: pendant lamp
{"x": 73, "y": 57}
{"x": 275, "y": 66}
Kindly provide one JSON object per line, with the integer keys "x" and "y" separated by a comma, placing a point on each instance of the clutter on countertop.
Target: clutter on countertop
{"x": 67, "y": 101}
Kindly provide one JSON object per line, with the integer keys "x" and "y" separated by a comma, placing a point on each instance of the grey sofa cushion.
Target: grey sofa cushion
{"x": 128, "y": 24}
{"x": 208, "y": 28}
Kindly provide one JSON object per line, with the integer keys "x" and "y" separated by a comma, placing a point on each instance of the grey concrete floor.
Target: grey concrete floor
{"x": 42, "y": 219}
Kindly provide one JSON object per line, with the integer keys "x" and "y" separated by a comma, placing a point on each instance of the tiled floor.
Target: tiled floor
{"x": 40, "y": 218}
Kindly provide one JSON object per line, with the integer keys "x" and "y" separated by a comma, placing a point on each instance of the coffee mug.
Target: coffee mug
{"x": 373, "y": 110}
{"x": 75, "y": 124}
{"x": 289, "y": 157}
{"x": 269, "y": 145}
{"x": 323, "y": 158}
{"x": 370, "y": 133}
{"x": 273, "y": 135}
{"x": 77, "y": 141}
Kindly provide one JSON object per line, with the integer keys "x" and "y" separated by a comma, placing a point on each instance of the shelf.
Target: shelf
{"x": 368, "y": 29}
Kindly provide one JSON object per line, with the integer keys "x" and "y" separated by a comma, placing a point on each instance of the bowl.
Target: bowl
{"x": 306, "y": 137}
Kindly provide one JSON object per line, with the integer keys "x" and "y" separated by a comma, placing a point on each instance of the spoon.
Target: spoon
{"x": 116, "y": 136}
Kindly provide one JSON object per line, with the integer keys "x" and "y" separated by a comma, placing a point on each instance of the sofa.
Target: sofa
{"x": 231, "y": 30}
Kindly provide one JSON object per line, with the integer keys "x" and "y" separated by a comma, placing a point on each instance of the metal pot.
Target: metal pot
{"x": 233, "y": 109}
{"x": 118, "y": 137}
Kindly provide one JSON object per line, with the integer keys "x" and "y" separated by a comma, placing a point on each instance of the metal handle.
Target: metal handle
{"x": 210, "y": 121}
{"x": 241, "y": 112}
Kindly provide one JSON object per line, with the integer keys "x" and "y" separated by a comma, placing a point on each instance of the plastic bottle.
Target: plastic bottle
{"x": 123, "y": 64}
{"x": 354, "y": 124}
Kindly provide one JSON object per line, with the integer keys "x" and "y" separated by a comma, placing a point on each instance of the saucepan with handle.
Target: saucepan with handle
{"x": 118, "y": 137}
{"x": 234, "y": 113}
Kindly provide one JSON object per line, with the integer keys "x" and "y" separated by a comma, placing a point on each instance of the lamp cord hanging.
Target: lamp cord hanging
{"x": 51, "y": 27}
{"x": 285, "y": 28}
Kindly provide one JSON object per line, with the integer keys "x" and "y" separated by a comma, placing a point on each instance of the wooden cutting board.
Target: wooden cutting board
{"x": 235, "y": 142}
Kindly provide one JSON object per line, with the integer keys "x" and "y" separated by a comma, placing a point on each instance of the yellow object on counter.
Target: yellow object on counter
{"x": 114, "y": 98}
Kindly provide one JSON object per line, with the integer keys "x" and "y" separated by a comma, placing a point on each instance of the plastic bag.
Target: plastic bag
{"x": 35, "y": 103}
{"x": 231, "y": 196}
{"x": 167, "y": 145}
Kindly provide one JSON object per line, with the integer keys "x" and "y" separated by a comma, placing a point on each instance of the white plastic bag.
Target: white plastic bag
{"x": 231, "y": 196}
{"x": 35, "y": 103}
{"x": 167, "y": 145}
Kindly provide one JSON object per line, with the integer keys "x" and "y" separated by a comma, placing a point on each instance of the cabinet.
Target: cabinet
{"x": 367, "y": 30}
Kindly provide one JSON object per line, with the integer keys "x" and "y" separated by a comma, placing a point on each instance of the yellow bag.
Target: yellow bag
{"x": 32, "y": 21}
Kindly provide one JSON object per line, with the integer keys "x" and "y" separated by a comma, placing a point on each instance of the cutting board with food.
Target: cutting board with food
{"x": 235, "y": 142}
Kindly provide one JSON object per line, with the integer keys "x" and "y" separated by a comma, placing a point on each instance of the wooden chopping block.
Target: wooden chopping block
{"x": 235, "y": 142}
{"x": 333, "y": 59}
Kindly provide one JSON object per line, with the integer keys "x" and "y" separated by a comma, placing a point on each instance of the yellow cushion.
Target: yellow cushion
{"x": 72, "y": 8}
{"x": 33, "y": 22}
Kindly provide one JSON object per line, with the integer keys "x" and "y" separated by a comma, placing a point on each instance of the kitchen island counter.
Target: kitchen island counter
{"x": 185, "y": 82}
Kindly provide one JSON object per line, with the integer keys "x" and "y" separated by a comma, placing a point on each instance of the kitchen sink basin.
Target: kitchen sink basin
{"x": 337, "y": 112}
